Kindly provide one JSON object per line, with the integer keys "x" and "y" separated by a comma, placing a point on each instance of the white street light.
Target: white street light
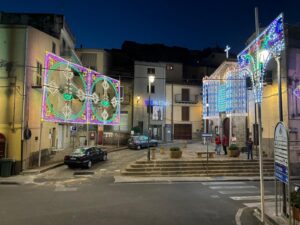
{"x": 264, "y": 55}
{"x": 151, "y": 79}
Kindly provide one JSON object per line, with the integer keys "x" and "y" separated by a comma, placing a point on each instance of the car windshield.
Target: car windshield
{"x": 79, "y": 151}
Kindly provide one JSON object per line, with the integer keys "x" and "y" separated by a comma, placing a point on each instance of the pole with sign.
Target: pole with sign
{"x": 281, "y": 160}
{"x": 205, "y": 135}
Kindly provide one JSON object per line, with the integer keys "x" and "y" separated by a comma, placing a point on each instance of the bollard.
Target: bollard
{"x": 153, "y": 150}
{"x": 162, "y": 150}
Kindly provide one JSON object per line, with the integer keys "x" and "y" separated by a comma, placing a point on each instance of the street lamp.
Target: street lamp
{"x": 151, "y": 79}
{"x": 263, "y": 58}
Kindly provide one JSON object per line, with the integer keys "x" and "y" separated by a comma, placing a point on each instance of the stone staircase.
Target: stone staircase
{"x": 199, "y": 168}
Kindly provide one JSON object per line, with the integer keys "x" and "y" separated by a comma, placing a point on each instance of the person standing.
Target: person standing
{"x": 233, "y": 139}
{"x": 250, "y": 148}
{"x": 218, "y": 144}
{"x": 225, "y": 144}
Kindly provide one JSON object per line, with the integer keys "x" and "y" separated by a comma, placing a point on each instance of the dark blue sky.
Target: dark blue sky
{"x": 193, "y": 24}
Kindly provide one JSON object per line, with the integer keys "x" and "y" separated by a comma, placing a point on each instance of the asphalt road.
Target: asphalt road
{"x": 59, "y": 197}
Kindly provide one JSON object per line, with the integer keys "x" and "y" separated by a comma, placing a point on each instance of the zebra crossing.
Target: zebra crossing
{"x": 248, "y": 195}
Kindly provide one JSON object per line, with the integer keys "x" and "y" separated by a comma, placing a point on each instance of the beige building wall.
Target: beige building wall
{"x": 97, "y": 59}
{"x": 270, "y": 108}
{"x": 38, "y": 44}
{"x": 195, "y": 109}
{"x": 12, "y": 52}
{"x": 23, "y": 47}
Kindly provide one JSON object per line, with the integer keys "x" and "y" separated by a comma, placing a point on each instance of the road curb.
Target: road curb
{"x": 269, "y": 219}
{"x": 9, "y": 183}
{"x": 116, "y": 150}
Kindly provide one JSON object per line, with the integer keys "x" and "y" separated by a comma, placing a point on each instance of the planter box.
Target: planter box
{"x": 233, "y": 153}
{"x": 175, "y": 154}
{"x": 296, "y": 213}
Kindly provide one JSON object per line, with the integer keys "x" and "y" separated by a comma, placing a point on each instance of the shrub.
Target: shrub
{"x": 174, "y": 149}
{"x": 295, "y": 199}
{"x": 233, "y": 147}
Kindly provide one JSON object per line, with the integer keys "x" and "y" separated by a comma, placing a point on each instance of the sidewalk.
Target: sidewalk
{"x": 189, "y": 152}
{"x": 270, "y": 215}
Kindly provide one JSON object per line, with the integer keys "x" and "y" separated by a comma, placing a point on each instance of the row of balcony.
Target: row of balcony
{"x": 186, "y": 99}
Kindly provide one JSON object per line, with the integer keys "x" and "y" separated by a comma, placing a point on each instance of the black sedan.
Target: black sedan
{"x": 85, "y": 157}
{"x": 138, "y": 142}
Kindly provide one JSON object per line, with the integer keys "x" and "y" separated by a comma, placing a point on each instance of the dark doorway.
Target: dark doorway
{"x": 226, "y": 129}
{"x": 183, "y": 131}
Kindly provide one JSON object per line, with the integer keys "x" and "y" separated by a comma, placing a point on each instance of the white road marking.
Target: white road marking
{"x": 222, "y": 183}
{"x": 64, "y": 188}
{"x": 257, "y": 204}
{"x": 215, "y": 196}
{"x": 231, "y": 187}
{"x": 231, "y": 192}
{"x": 254, "y": 197}
{"x": 238, "y": 216}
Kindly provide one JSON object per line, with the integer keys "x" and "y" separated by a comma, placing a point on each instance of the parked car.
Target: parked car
{"x": 141, "y": 141}
{"x": 85, "y": 157}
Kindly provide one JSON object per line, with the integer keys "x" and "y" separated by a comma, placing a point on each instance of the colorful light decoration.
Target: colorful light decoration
{"x": 210, "y": 98}
{"x": 254, "y": 58}
{"x": 228, "y": 97}
{"x": 75, "y": 94}
{"x": 236, "y": 98}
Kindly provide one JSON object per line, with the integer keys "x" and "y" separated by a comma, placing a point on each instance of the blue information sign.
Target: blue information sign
{"x": 281, "y": 172}
{"x": 281, "y": 153}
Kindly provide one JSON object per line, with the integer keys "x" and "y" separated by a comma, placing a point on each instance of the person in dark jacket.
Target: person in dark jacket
{"x": 225, "y": 144}
{"x": 250, "y": 148}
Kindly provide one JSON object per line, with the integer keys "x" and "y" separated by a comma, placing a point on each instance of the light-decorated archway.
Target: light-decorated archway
{"x": 255, "y": 57}
{"x": 75, "y": 94}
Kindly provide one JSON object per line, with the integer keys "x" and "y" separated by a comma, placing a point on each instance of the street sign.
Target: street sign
{"x": 281, "y": 153}
{"x": 207, "y": 135}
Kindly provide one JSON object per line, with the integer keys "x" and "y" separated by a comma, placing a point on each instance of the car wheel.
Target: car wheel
{"x": 89, "y": 164}
{"x": 104, "y": 158}
{"x": 138, "y": 147}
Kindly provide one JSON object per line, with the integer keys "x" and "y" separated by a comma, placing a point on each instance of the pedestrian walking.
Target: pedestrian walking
{"x": 233, "y": 139}
{"x": 225, "y": 144}
{"x": 250, "y": 148}
{"x": 218, "y": 144}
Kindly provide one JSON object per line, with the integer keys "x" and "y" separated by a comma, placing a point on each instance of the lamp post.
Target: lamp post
{"x": 151, "y": 79}
{"x": 263, "y": 57}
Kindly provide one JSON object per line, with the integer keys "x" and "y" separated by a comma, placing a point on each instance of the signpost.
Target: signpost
{"x": 206, "y": 135}
{"x": 281, "y": 160}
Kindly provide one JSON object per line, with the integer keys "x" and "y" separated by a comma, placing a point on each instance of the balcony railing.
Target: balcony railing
{"x": 192, "y": 99}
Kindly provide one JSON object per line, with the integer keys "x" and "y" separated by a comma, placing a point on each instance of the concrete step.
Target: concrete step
{"x": 194, "y": 173}
{"x": 198, "y": 166}
{"x": 198, "y": 169}
{"x": 254, "y": 162}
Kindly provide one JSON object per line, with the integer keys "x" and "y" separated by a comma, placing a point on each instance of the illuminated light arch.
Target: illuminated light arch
{"x": 271, "y": 40}
{"x": 70, "y": 94}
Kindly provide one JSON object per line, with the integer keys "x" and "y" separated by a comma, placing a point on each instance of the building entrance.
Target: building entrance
{"x": 226, "y": 127}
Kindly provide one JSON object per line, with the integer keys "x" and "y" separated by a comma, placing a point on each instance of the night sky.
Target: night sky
{"x": 192, "y": 24}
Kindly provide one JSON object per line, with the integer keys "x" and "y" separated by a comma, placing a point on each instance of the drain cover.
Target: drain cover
{"x": 84, "y": 173}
